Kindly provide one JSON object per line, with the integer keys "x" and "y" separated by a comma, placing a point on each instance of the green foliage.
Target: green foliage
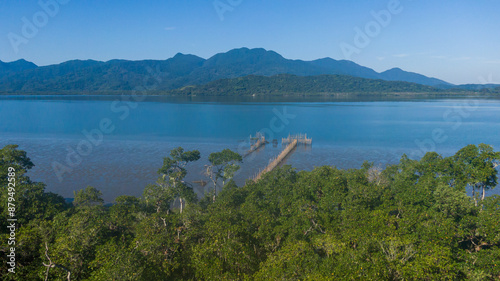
{"x": 222, "y": 166}
{"x": 88, "y": 197}
{"x": 409, "y": 221}
{"x": 295, "y": 261}
{"x": 170, "y": 185}
{"x": 31, "y": 200}
{"x": 291, "y": 85}
{"x": 183, "y": 71}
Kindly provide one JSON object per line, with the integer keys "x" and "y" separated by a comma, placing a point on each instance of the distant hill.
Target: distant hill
{"x": 89, "y": 76}
{"x": 397, "y": 74}
{"x": 287, "y": 84}
{"x": 97, "y": 76}
{"x": 7, "y": 68}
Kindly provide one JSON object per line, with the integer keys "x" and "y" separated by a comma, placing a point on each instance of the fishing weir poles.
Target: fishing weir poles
{"x": 261, "y": 141}
{"x": 292, "y": 141}
{"x": 301, "y": 139}
{"x": 273, "y": 162}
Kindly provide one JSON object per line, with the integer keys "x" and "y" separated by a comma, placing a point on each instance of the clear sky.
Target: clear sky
{"x": 454, "y": 40}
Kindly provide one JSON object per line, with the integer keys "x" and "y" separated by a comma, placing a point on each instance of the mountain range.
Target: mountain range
{"x": 90, "y": 76}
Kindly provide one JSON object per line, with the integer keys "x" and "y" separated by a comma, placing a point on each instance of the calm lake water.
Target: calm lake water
{"x": 117, "y": 144}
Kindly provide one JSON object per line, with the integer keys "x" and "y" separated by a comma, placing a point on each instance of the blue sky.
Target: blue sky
{"x": 458, "y": 41}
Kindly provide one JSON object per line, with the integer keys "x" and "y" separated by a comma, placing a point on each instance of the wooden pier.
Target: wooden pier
{"x": 201, "y": 182}
{"x": 291, "y": 143}
{"x": 261, "y": 140}
{"x": 301, "y": 139}
{"x": 274, "y": 162}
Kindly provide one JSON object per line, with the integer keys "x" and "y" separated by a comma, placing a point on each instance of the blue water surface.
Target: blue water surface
{"x": 120, "y": 142}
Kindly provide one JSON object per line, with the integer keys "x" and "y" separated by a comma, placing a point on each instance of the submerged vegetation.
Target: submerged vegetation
{"x": 409, "y": 221}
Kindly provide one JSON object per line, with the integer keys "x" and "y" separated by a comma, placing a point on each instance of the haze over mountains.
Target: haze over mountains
{"x": 185, "y": 70}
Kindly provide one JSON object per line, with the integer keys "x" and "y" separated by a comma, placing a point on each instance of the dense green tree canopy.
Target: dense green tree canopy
{"x": 409, "y": 221}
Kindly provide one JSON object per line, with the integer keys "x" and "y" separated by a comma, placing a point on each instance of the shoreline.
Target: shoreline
{"x": 259, "y": 98}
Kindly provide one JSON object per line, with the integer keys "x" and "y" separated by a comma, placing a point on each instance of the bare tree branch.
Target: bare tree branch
{"x": 52, "y": 265}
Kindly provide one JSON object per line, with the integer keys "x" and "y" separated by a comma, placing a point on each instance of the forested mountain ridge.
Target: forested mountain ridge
{"x": 7, "y": 68}
{"x": 292, "y": 85}
{"x": 87, "y": 76}
{"x": 410, "y": 221}
{"x": 397, "y": 74}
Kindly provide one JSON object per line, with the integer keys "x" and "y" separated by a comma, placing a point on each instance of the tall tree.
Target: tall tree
{"x": 31, "y": 200}
{"x": 477, "y": 164}
{"x": 171, "y": 183}
{"x": 11, "y": 156}
{"x": 223, "y": 165}
{"x": 88, "y": 197}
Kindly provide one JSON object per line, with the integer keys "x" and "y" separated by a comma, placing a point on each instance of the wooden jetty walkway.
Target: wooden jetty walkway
{"x": 301, "y": 139}
{"x": 201, "y": 182}
{"x": 291, "y": 143}
{"x": 260, "y": 142}
{"x": 274, "y": 162}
